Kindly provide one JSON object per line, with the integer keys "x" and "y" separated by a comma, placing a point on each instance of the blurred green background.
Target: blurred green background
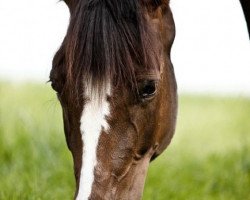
{"x": 209, "y": 157}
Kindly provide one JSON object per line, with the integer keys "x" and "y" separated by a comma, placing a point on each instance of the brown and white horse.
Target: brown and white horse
{"x": 116, "y": 85}
{"x": 246, "y": 9}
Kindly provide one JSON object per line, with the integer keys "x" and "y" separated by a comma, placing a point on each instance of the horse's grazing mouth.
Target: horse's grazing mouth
{"x": 116, "y": 85}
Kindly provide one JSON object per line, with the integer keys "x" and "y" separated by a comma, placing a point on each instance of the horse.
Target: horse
{"x": 246, "y": 10}
{"x": 115, "y": 82}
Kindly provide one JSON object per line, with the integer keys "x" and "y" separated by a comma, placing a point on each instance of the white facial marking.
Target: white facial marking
{"x": 92, "y": 122}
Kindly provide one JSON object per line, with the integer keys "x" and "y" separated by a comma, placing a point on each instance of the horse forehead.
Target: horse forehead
{"x": 95, "y": 110}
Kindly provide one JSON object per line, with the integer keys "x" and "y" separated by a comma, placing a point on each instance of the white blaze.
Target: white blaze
{"x": 92, "y": 121}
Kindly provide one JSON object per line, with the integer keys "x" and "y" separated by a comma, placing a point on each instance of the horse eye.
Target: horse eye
{"x": 54, "y": 85}
{"x": 147, "y": 89}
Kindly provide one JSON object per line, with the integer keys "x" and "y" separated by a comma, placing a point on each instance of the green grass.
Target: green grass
{"x": 209, "y": 157}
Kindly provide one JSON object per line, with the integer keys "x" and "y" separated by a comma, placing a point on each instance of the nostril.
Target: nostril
{"x": 143, "y": 151}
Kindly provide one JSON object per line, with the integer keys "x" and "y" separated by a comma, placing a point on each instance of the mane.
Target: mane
{"x": 108, "y": 41}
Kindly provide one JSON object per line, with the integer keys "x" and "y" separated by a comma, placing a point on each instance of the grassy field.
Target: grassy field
{"x": 209, "y": 157}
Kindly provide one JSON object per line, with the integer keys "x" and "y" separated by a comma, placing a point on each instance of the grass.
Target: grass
{"x": 209, "y": 157}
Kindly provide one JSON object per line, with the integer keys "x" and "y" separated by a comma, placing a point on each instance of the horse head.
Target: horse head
{"x": 116, "y": 85}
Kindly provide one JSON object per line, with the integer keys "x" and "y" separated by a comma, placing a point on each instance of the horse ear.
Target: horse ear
{"x": 246, "y": 9}
{"x": 154, "y": 4}
{"x": 58, "y": 71}
{"x": 71, "y": 4}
